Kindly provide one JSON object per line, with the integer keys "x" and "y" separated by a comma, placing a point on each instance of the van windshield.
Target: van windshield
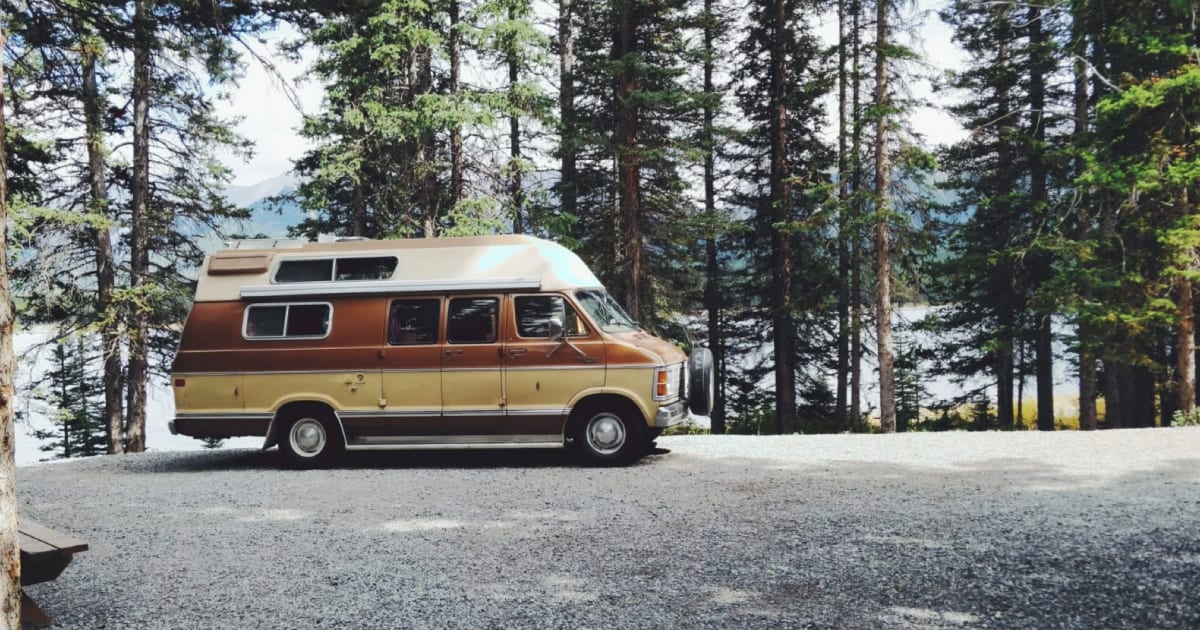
{"x": 604, "y": 310}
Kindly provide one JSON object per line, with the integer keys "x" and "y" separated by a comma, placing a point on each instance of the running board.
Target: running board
{"x": 451, "y": 442}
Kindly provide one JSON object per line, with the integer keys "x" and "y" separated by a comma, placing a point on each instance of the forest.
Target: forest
{"x": 737, "y": 178}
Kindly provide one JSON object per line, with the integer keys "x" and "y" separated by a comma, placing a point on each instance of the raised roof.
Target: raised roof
{"x": 423, "y": 265}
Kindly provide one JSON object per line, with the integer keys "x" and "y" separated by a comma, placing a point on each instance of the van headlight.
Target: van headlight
{"x": 667, "y": 381}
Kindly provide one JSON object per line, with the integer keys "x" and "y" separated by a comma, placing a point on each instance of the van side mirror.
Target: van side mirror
{"x": 556, "y": 329}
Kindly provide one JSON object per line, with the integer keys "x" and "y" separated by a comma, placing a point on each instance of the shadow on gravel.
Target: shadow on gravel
{"x": 366, "y": 460}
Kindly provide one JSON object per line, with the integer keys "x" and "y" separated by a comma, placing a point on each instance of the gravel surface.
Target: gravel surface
{"x": 926, "y": 530}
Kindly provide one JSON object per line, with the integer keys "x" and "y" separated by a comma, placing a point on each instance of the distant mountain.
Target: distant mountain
{"x": 266, "y": 219}
{"x": 247, "y": 195}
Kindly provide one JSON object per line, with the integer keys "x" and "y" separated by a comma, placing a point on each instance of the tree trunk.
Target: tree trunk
{"x": 1022, "y": 374}
{"x": 1044, "y": 358}
{"x": 10, "y": 591}
{"x": 1185, "y": 338}
{"x": 712, "y": 286}
{"x": 627, "y": 161}
{"x": 1143, "y": 387}
{"x": 781, "y": 243}
{"x": 843, "y": 246}
{"x": 358, "y": 210}
{"x": 106, "y": 275}
{"x": 1087, "y": 357}
{"x": 1038, "y": 175}
{"x": 883, "y": 260}
{"x": 1004, "y": 384}
{"x": 856, "y": 241}
{"x": 1112, "y": 395}
{"x": 516, "y": 191}
{"x": 139, "y": 233}
{"x": 1166, "y": 383}
{"x": 568, "y": 193}
{"x": 456, "y": 139}
{"x": 426, "y": 155}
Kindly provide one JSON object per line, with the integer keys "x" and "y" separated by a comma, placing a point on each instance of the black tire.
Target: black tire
{"x": 610, "y": 434}
{"x": 310, "y": 438}
{"x": 701, "y": 382}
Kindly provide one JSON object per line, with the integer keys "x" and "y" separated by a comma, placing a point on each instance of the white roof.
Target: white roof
{"x": 423, "y": 265}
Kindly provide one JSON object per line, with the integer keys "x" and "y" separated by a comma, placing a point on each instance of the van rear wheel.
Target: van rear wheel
{"x": 610, "y": 435}
{"x": 311, "y": 440}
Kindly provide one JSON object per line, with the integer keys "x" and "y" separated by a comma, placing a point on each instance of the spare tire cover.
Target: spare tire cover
{"x": 701, "y": 384}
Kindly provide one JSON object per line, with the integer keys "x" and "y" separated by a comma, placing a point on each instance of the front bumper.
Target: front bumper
{"x": 670, "y": 415}
{"x": 171, "y": 426}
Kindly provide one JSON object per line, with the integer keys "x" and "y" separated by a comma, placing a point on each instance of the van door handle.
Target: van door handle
{"x": 516, "y": 352}
{"x": 452, "y": 353}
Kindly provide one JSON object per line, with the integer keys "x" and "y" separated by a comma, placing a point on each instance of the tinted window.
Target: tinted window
{"x": 304, "y": 270}
{"x": 380, "y": 268}
{"x": 307, "y": 320}
{"x": 534, "y": 313}
{"x": 265, "y": 321}
{"x": 269, "y": 321}
{"x": 412, "y": 322}
{"x": 326, "y": 269}
{"x": 473, "y": 320}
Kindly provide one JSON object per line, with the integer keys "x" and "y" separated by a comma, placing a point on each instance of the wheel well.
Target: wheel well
{"x": 599, "y": 400}
{"x": 297, "y": 408}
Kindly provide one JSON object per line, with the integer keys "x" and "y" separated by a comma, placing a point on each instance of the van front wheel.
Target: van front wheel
{"x": 610, "y": 435}
{"x": 311, "y": 440}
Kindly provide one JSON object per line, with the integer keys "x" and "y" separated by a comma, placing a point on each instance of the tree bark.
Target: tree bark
{"x": 712, "y": 285}
{"x": 1185, "y": 338}
{"x": 1004, "y": 382}
{"x": 516, "y": 189}
{"x": 139, "y": 233}
{"x": 843, "y": 246}
{"x": 1022, "y": 371}
{"x": 856, "y": 240}
{"x": 627, "y": 122}
{"x": 1087, "y": 357}
{"x": 106, "y": 274}
{"x": 568, "y": 193}
{"x": 1044, "y": 358}
{"x": 10, "y": 549}
{"x": 358, "y": 210}
{"x": 1038, "y": 175}
{"x": 883, "y": 261}
{"x": 778, "y": 214}
{"x": 1113, "y": 407}
{"x": 426, "y": 154}
{"x": 456, "y": 137}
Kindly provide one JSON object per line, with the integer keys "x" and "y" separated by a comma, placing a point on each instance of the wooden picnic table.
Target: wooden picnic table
{"x": 44, "y": 555}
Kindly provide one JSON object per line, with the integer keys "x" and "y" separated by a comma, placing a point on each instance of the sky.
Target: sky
{"x": 272, "y": 122}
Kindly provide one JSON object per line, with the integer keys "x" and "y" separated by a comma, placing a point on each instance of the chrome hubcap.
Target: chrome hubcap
{"x": 307, "y": 437}
{"x": 606, "y": 433}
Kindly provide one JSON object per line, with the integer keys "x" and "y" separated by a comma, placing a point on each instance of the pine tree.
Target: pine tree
{"x": 783, "y": 163}
{"x": 883, "y": 236}
{"x": 509, "y": 38}
{"x": 75, "y": 401}
{"x": 1009, "y": 190}
{"x": 1142, "y": 168}
{"x": 633, "y": 111}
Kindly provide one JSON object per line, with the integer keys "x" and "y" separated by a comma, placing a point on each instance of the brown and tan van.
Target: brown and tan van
{"x": 484, "y": 342}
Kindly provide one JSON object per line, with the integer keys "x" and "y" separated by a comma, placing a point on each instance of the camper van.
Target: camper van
{"x": 451, "y": 343}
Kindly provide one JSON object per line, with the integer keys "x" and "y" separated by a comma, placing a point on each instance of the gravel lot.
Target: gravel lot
{"x": 926, "y": 530}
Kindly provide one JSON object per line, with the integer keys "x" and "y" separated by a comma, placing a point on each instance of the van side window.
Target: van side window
{"x": 534, "y": 313}
{"x": 413, "y": 322}
{"x": 337, "y": 269}
{"x": 287, "y": 321}
{"x": 473, "y": 320}
{"x": 304, "y": 270}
